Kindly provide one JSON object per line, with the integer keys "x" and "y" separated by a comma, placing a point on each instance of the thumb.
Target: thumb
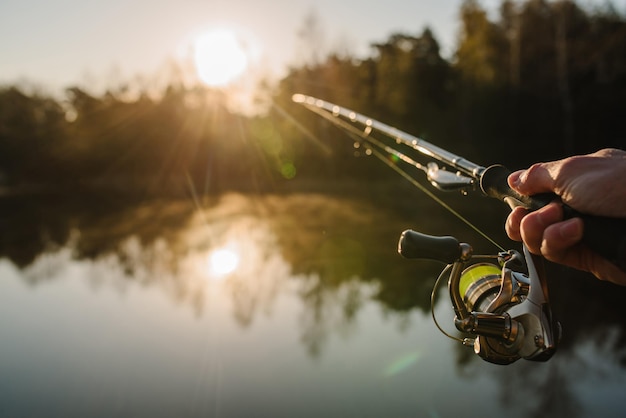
{"x": 536, "y": 179}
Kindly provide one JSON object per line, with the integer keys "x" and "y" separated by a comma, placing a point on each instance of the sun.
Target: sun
{"x": 219, "y": 57}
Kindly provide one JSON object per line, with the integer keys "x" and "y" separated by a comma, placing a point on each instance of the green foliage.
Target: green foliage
{"x": 543, "y": 80}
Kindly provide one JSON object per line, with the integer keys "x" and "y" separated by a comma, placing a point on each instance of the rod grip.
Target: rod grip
{"x": 604, "y": 235}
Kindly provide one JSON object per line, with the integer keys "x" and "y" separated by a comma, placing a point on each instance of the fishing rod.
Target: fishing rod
{"x": 500, "y": 301}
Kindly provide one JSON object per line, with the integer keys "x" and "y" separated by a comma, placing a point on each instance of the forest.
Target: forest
{"x": 544, "y": 79}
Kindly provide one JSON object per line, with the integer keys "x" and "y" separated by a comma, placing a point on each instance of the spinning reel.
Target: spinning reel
{"x": 500, "y": 301}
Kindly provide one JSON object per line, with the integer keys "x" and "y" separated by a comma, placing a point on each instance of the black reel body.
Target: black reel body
{"x": 500, "y": 301}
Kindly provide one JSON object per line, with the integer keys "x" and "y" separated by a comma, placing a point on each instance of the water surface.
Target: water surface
{"x": 273, "y": 306}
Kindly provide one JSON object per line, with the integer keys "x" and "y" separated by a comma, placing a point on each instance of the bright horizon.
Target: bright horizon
{"x": 56, "y": 44}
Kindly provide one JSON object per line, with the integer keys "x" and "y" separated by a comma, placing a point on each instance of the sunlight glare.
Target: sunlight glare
{"x": 223, "y": 262}
{"x": 219, "y": 57}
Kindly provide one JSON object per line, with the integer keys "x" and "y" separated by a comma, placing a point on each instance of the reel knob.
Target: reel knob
{"x": 417, "y": 245}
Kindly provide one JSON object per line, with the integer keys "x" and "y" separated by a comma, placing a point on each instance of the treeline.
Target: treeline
{"x": 546, "y": 79}
{"x": 543, "y": 80}
{"x": 143, "y": 145}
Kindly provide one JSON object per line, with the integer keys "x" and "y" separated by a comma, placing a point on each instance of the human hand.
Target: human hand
{"x": 593, "y": 184}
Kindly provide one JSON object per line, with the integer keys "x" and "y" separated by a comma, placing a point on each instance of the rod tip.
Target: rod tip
{"x": 298, "y": 98}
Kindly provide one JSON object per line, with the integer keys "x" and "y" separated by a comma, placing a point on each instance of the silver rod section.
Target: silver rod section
{"x": 369, "y": 124}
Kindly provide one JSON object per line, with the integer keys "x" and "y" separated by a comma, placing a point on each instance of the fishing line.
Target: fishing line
{"x": 315, "y": 140}
{"x": 361, "y": 137}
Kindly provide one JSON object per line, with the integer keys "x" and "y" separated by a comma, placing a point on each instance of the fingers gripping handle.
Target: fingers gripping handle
{"x": 494, "y": 183}
{"x": 416, "y": 245}
{"x": 606, "y": 236}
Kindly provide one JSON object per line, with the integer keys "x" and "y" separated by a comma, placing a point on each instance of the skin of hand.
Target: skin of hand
{"x": 594, "y": 184}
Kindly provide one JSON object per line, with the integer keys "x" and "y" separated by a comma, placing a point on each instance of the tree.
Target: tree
{"x": 481, "y": 46}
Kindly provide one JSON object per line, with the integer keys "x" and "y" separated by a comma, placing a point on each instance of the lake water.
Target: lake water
{"x": 269, "y": 306}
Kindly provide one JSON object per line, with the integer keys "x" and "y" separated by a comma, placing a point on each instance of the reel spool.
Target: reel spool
{"x": 479, "y": 285}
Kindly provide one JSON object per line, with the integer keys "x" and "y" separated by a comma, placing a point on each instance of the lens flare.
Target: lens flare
{"x": 401, "y": 364}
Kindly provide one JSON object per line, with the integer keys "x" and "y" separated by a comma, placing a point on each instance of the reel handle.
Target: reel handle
{"x": 604, "y": 235}
{"x": 417, "y": 245}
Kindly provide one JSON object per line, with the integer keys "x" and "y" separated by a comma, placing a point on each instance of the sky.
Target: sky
{"x": 57, "y": 43}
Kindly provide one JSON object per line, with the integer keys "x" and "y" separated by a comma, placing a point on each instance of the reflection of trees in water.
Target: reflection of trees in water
{"x": 545, "y": 388}
{"x": 99, "y": 224}
{"x": 349, "y": 238}
{"x": 553, "y": 388}
{"x": 329, "y": 245}
{"x": 344, "y": 251}
{"x": 340, "y": 251}
{"x": 261, "y": 273}
{"x": 329, "y": 311}
{"x": 589, "y": 310}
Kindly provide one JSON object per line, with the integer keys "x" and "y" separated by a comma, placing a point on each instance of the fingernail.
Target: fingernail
{"x": 549, "y": 214}
{"x": 570, "y": 230}
{"x": 515, "y": 178}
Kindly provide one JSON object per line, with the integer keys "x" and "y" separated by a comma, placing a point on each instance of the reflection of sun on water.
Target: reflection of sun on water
{"x": 222, "y": 262}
